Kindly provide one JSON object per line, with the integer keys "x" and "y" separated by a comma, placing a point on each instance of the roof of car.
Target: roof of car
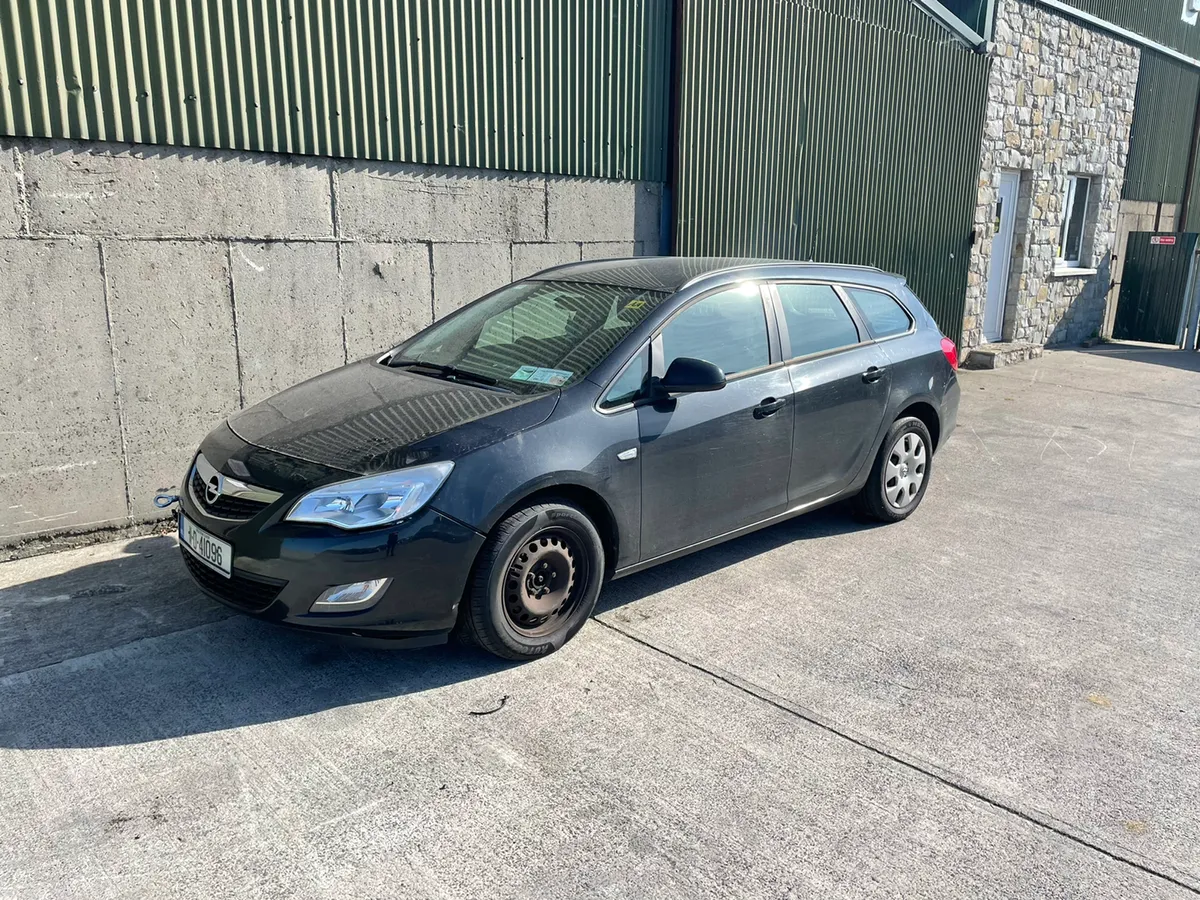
{"x": 671, "y": 273}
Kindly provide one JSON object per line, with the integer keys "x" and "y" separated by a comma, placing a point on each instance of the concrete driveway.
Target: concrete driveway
{"x": 997, "y": 698}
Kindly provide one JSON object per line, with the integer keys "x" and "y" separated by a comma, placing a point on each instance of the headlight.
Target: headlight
{"x": 374, "y": 500}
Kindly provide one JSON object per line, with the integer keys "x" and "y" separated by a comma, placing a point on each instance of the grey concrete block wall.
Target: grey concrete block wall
{"x": 530, "y": 258}
{"x": 175, "y": 359}
{"x": 387, "y": 291}
{"x": 147, "y": 293}
{"x": 155, "y": 192}
{"x": 60, "y": 437}
{"x": 288, "y": 330}
{"x": 464, "y": 272}
{"x": 613, "y": 249}
{"x": 377, "y": 202}
{"x": 10, "y": 216}
{"x": 592, "y": 210}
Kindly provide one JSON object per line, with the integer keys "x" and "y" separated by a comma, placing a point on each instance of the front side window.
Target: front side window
{"x": 884, "y": 315}
{"x": 630, "y": 382}
{"x": 816, "y": 319}
{"x": 535, "y": 335}
{"x": 728, "y": 329}
{"x": 1075, "y": 212}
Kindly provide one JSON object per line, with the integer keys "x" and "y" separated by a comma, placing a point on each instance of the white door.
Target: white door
{"x": 1002, "y": 246}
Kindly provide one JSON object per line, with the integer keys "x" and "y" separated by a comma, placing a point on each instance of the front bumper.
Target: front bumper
{"x": 280, "y": 568}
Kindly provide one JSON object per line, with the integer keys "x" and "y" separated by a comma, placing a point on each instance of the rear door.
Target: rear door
{"x": 713, "y": 462}
{"x": 840, "y": 383}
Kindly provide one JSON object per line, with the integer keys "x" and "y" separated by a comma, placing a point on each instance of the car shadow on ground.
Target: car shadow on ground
{"x": 126, "y": 651}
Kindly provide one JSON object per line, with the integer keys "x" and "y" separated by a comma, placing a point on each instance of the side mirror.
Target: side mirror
{"x": 689, "y": 376}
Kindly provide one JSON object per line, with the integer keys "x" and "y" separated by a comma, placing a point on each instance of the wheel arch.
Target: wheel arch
{"x": 587, "y": 499}
{"x": 927, "y": 413}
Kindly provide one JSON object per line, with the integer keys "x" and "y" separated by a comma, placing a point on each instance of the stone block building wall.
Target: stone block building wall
{"x": 1060, "y": 103}
{"x": 147, "y": 293}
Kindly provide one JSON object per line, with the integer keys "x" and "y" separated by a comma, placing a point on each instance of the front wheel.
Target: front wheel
{"x": 900, "y": 474}
{"x": 536, "y": 581}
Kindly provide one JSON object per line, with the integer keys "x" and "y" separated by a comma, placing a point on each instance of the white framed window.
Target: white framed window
{"x": 1075, "y": 212}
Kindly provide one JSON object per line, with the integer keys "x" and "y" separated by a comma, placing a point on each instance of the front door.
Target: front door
{"x": 1002, "y": 248}
{"x": 713, "y": 462}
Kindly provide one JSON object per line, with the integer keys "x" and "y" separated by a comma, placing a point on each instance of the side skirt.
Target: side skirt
{"x": 730, "y": 535}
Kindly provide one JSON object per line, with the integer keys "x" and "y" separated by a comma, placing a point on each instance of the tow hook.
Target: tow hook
{"x": 162, "y": 501}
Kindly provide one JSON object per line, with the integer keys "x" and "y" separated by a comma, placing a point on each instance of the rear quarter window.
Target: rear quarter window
{"x": 883, "y": 313}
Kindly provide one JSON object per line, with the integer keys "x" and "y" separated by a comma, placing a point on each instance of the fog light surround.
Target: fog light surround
{"x": 350, "y": 597}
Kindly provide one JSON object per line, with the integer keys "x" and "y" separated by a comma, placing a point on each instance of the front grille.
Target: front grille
{"x": 226, "y": 507}
{"x": 252, "y": 594}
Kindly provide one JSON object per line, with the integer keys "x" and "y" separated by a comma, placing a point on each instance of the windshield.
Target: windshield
{"x": 534, "y": 335}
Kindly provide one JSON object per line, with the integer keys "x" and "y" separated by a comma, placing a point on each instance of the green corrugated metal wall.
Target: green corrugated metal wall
{"x": 1162, "y": 130}
{"x": 576, "y": 87}
{"x": 833, "y": 130}
{"x": 1191, "y": 216}
{"x": 1159, "y": 20}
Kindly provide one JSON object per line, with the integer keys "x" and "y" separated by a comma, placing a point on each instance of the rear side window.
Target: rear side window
{"x": 883, "y": 313}
{"x": 728, "y": 329}
{"x": 816, "y": 319}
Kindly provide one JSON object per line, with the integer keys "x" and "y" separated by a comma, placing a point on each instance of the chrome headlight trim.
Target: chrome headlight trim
{"x": 373, "y": 500}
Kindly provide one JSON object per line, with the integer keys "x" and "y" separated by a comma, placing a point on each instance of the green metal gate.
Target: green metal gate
{"x": 1154, "y": 287}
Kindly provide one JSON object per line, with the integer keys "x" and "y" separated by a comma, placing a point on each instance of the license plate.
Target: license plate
{"x": 212, "y": 551}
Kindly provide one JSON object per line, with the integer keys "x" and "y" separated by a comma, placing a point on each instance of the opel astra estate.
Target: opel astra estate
{"x": 486, "y": 476}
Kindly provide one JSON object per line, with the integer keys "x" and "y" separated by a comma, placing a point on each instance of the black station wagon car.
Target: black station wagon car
{"x": 489, "y": 474}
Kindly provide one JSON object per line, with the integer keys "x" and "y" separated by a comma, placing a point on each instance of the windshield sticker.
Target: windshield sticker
{"x": 539, "y": 375}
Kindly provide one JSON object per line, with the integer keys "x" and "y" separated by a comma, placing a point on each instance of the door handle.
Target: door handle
{"x": 873, "y": 374}
{"x": 768, "y": 407}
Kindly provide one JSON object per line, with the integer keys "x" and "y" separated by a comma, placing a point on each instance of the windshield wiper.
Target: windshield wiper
{"x": 449, "y": 372}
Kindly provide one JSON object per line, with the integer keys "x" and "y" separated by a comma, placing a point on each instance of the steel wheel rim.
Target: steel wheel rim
{"x": 904, "y": 470}
{"x": 545, "y": 577}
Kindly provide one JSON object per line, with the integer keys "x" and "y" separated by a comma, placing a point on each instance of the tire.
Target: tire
{"x": 900, "y": 474}
{"x": 509, "y": 611}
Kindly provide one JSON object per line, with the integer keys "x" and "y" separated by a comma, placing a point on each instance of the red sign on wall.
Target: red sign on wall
{"x": 1163, "y": 240}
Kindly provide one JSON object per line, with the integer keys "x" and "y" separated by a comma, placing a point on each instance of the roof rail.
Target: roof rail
{"x": 783, "y": 262}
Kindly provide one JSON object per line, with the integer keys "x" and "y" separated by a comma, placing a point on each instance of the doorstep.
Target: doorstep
{"x": 993, "y": 356}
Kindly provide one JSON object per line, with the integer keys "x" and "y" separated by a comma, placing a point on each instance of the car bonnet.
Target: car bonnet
{"x": 365, "y": 418}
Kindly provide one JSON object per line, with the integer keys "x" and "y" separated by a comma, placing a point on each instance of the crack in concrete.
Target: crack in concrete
{"x": 23, "y": 201}
{"x": 122, "y": 428}
{"x": 1184, "y": 880}
{"x": 237, "y": 349}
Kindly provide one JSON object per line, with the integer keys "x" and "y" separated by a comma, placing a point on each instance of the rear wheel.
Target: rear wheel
{"x": 536, "y": 581}
{"x": 900, "y": 473}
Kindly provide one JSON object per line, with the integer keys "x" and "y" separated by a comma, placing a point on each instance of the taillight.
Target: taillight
{"x": 951, "y": 352}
